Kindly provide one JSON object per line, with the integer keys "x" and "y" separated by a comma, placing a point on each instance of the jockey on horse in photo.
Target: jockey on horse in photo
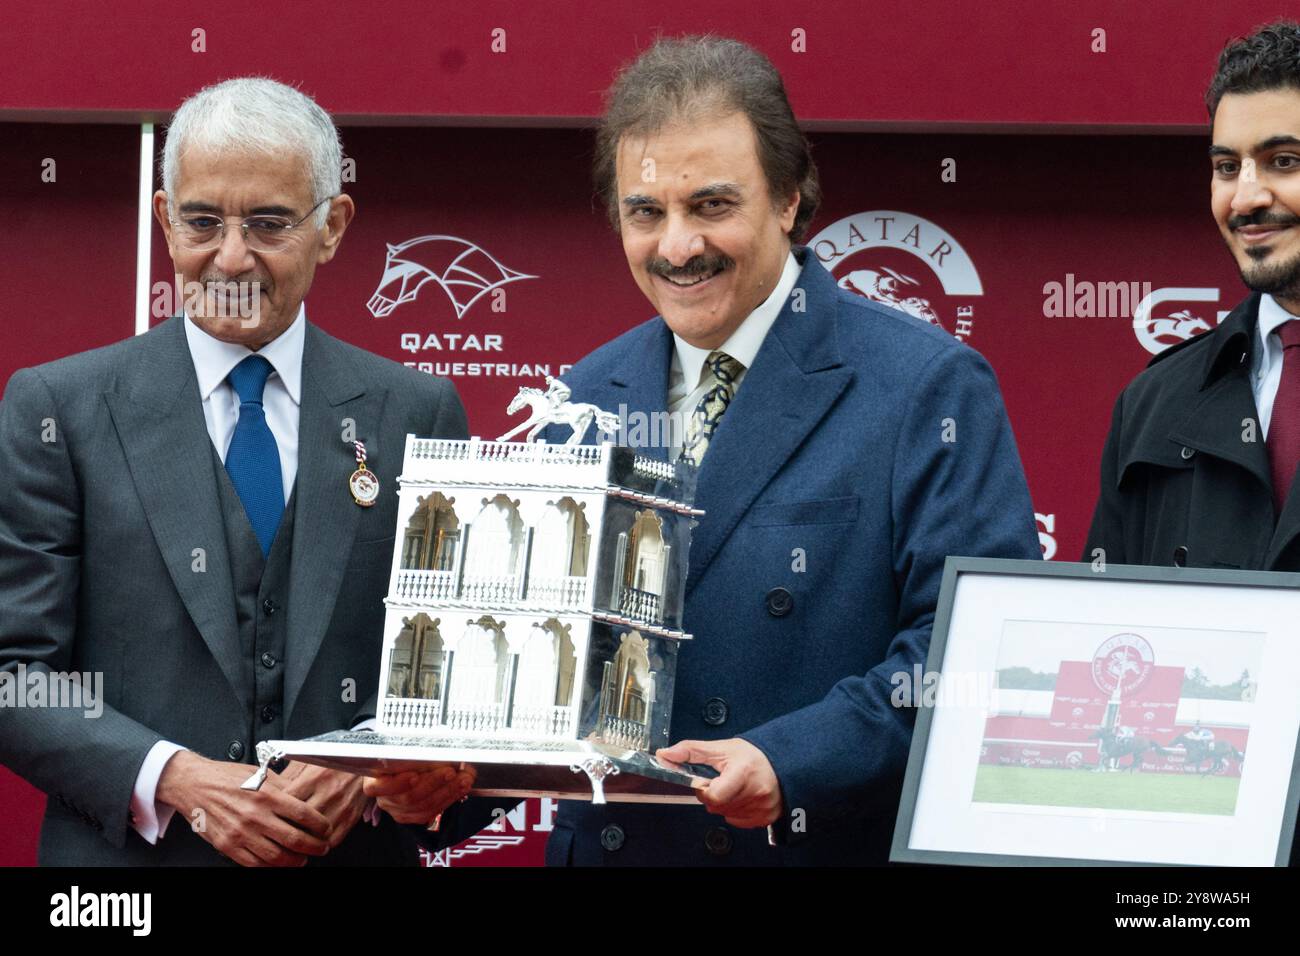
{"x": 1115, "y": 745}
{"x": 1200, "y": 746}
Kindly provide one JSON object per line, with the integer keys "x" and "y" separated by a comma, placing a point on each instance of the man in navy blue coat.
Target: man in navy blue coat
{"x": 845, "y": 450}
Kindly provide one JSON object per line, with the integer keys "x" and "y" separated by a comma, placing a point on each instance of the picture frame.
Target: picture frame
{"x": 1070, "y": 714}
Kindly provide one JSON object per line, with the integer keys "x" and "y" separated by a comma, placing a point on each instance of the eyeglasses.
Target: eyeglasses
{"x": 202, "y": 231}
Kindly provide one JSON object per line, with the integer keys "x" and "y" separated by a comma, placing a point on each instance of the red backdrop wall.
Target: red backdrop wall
{"x": 1028, "y": 206}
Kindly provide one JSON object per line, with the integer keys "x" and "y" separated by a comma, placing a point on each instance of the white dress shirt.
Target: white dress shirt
{"x": 687, "y": 377}
{"x": 281, "y": 399}
{"x": 1267, "y": 372}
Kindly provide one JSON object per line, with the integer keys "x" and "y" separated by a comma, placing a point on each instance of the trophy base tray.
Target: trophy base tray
{"x": 567, "y": 770}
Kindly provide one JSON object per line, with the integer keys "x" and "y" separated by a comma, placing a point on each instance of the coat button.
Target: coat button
{"x": 1187, "y": 453}
{"x": 1180, "y": 556}
{"x": 612, "y": 837}
{"x": 235, "y": 751}
{"x": 715, "y": 711}
{"x": 268, "y": 606}
{"x": 268, "y": 714}
{"x": 780, "y": 602}
{"x": 718, "y": 841}
{"x": 268, "y": 660}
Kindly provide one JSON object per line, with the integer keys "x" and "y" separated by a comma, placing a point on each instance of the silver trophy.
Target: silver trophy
{"x": 533, "y": 616}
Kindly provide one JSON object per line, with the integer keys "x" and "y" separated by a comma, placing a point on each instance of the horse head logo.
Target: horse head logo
{"x": 888, "y": 287}
{"x": 1181, "y": 325}
{"x": 464, "y": 271}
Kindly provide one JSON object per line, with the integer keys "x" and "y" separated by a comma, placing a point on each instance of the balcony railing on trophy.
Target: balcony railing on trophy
{"x": 497, "y": 589}
{"x": 640, "y": 605}
{"x": 621, "y": 732}
{"x": 411, "y": 714}
{"x": 549, "y": 721}
{"x": 516, "y": 453}
{"x": 476, "y": 718}
{"x": 568, "y": 591}
{"x": 426, "y": 585}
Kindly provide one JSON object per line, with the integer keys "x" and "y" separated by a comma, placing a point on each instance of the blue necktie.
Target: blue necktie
{"x": 253, "y": 459}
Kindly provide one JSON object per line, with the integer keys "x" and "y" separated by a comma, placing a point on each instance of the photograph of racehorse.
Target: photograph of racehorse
{"x": 1098, "y": 716}
{"x": 1113, "y": 748}
{"x": 1218, "y": 752}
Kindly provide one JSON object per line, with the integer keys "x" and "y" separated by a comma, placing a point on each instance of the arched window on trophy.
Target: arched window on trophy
{"x": 429, "y": 545}
{"x": 544, "y": 682}
{"x": 495, "y": 549}
{"x": 642, "y": 564}
{"x": 559, "y": 554}
{"x": 627, "y": 694}
{"x": 415, "y": 675}
{"x": 431, "y": 535}
{"x": 478, "y": 678}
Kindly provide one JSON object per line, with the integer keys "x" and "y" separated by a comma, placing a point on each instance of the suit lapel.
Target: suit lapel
{"x": 158, "y": 414}
{"x": 795, "y": 379}
{"x": 325, "y": 515}
{"x": 640, "y": 387}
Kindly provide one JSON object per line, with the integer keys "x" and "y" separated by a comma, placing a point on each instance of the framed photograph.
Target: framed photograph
{"x": 1072, "y": 715}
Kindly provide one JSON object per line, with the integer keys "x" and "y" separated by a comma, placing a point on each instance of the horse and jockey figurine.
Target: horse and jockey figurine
{"x": 552, "y": 407}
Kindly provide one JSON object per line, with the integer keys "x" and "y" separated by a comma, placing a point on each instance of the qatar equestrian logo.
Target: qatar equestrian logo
{"x": 465, "y": 272}
{"x": 1124, "y": 661}
{"x": 905, "y": 262}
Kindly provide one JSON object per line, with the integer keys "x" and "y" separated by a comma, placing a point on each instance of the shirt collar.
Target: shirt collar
{"x": 214, "y": 359}
{"x": 1271, "y": 317}
{"x": 744, "y": 343}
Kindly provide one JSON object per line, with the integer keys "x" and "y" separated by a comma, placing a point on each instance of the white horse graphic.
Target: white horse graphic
{"x": 464, "y": 271}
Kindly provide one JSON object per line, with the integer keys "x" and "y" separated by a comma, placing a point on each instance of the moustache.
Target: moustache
{"x": 695, "y": 266}
{"x": 1263, "y": 218}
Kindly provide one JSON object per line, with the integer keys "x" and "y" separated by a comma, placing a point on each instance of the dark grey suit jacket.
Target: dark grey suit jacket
{"x": 113, "y": 561}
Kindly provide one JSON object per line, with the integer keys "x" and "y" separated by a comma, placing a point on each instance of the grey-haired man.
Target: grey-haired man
{"x": 179, "y": 522}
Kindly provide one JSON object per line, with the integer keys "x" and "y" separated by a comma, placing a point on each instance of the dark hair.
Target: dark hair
{"x": 1268, "y": 59}
{"x": 695, "y": 76}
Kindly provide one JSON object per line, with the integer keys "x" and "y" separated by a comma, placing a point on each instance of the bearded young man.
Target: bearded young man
{"x": 1199, "y": 466}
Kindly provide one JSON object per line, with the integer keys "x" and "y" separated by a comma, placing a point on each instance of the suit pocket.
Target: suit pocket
{"x": 376, "y": 552}
{"x": 815, "y": 511}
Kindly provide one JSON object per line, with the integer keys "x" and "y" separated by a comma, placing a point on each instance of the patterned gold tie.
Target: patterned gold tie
{"x": 713, "y": 405}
